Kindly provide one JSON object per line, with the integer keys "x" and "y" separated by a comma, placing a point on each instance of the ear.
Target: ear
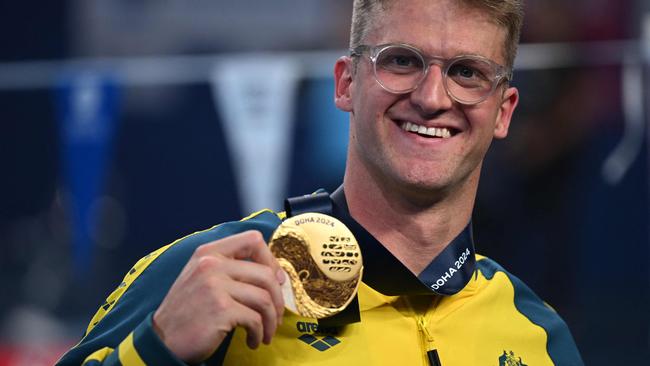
{"x": 342, "y": 83}
{"x": 504, "y": 115}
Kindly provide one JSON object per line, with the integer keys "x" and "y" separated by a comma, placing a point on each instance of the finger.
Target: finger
{"x": 247, "y": 245}
{"x": 252, "y": 322}
{"x": 257, "y": 275}
{"x": 259, "y": 300}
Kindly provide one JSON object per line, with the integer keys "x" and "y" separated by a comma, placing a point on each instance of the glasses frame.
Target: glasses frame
{"x": 501, "y": 72}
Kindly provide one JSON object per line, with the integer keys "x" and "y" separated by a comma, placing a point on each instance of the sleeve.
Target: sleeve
{"x": 141, "y": 347}
{"x": 121, "y": 331}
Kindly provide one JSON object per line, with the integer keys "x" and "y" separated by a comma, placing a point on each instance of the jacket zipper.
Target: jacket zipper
{"x": 426, "y": 338}
{"x": 427, "y": 342}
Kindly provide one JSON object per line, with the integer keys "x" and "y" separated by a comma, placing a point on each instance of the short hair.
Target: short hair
{"x": 505, "y": 13}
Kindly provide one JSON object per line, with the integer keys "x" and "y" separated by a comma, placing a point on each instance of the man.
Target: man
{"x": 426, "y": 86}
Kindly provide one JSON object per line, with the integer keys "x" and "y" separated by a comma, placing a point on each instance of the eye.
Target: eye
{"x": 464, "y": 71}
{"x": 471, "y": 73}
{"x": 402, "y": 61}
{"x": 399, "y": 60}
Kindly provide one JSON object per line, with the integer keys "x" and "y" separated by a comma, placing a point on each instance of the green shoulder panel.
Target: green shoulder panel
{"x": 146, "y": 284}
{"x": 560, "y": 346}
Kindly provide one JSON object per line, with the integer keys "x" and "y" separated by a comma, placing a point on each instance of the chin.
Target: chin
{"x": 424, "y": 178}
{"x": 430, "y": 186}
{"x": 422, "y": 187}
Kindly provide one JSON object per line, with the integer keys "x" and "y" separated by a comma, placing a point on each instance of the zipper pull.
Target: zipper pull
{"x": 434, "y": 360}
{"x": 422, "y": 324}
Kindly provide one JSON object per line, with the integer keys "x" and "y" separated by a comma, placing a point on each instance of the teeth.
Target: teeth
{"x": 431, "y": 131}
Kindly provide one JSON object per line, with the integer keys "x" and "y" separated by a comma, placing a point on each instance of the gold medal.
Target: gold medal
{"x": 323, "y": 262}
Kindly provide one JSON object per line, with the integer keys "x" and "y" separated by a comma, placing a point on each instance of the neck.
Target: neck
{"x": 414, "y": 226}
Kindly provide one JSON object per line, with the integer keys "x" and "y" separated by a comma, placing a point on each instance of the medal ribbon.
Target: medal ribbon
{"x": 447, "y": 274}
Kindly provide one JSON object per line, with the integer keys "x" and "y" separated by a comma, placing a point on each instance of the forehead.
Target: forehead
{"x": 439, "y": 27}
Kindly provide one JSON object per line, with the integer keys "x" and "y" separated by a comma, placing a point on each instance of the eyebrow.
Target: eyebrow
{"x": 455, "y": 54}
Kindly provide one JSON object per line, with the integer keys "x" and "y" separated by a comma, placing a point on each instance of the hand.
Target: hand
{"x": 226, "y": 283}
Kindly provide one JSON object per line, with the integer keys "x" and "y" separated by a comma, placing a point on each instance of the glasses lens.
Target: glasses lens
{"x": 399, "y": 69}
{"x": 470, "y": 80}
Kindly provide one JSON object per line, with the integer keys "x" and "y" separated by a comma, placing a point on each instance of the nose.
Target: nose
{"x": 430, "y": 97}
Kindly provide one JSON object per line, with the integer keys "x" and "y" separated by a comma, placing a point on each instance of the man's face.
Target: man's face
{"x": 378, "y": 141}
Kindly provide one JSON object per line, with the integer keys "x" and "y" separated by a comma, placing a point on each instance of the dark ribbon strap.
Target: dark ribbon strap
{"x": 318, "y": 202}
{"x": 447, "y": 274}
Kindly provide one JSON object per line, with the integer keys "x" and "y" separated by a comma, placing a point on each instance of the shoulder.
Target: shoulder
{"x": 145, "y": 285}
{"x": 176, "y": 254}
{"x": 147, "y": 282}
{"x": 560, "y": 344}
{"x": 164, "y": 264}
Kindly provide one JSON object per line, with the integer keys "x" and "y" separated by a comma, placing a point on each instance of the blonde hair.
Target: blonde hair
{"x": 505, "y": 13}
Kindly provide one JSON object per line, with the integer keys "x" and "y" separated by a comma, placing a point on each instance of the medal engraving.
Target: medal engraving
{"x": 323, "y": 262}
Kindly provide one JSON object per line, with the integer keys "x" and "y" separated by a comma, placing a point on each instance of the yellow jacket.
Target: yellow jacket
{"x": 478, "y": 314}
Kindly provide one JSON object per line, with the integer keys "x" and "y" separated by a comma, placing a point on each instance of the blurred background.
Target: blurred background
{"x": 127, "y": 124}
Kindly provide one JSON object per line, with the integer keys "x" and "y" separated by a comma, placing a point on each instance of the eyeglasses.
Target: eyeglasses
{"x": 400, "y": 68}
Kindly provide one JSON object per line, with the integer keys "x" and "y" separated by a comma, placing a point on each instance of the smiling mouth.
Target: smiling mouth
{"x": 439, "y": 132}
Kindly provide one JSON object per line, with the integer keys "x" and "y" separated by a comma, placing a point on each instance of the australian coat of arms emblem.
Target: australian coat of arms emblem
{"x": 509, "y": 359}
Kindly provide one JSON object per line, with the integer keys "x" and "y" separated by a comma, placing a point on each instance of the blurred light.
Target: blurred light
{"x": 629, "y": 148}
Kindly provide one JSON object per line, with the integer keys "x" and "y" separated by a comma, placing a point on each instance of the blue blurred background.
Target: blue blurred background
{"x": 126, "y": 124}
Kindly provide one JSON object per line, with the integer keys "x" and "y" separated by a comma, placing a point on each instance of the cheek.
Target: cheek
{"x": 368, "y": 111}
{"x": 483, "y": 120}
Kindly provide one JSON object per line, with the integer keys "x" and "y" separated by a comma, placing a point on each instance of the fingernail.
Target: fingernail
{"x": 252, "y": 342}
{"x": 280, "y": 275}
